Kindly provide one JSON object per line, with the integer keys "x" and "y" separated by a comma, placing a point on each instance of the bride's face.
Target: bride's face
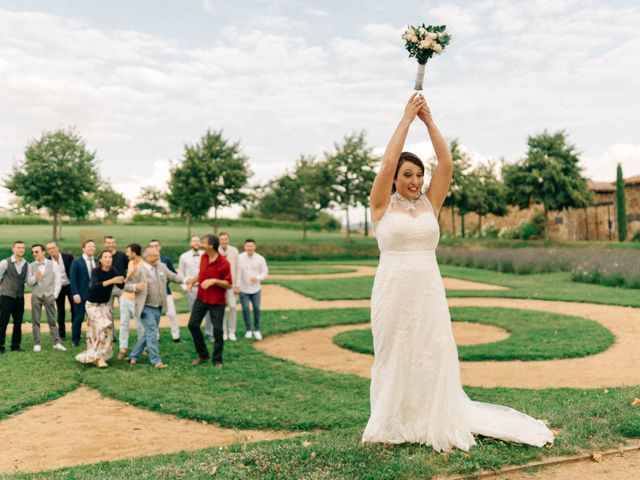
{"x": 409, "y": 180}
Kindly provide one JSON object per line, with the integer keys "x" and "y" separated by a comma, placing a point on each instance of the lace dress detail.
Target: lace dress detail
{"x": 416, "y": 393}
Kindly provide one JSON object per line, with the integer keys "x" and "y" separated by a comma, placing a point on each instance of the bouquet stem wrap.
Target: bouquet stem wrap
{"x": 420, "y": 76}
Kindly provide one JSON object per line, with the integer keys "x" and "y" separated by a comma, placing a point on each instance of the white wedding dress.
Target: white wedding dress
{"x": 416, "y": 394}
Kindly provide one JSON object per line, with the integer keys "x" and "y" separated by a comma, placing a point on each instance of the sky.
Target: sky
{"x": 140, "y": 79}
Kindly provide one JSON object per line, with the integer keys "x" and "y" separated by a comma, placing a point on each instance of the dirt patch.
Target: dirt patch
{"x": 624, "y": 466}
{"x": 358, "y": 271}
{"x": 315, "y": 348}
{"x": 84, "y": 427}
{"x": 369, "y": 271}
{"x": 617, "y": 366}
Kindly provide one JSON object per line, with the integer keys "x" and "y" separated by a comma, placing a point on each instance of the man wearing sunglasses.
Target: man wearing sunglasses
{"x": 45, "y": 280}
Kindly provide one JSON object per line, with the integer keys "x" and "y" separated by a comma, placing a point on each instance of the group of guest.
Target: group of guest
{"x": 212, "y": 272}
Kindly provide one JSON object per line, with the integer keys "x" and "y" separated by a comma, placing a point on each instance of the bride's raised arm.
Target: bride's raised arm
{"x": 381, "y": 190}
{"x": 441, "y": 179}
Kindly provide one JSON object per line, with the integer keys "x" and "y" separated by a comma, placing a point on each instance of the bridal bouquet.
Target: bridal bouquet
{"x": 422, "y": 42}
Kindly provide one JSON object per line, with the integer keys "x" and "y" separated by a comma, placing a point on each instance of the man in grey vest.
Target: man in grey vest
{"x": 45, "y": 279}
{"x": 13, "y": 275}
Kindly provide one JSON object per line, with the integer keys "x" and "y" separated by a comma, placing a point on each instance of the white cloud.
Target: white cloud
{"x": 513, "y": 69}
{"x": 317, "y": 12}
{"x": 603, "y": 167}
{"x": 207, "y": 5}
{"x": 156, "y": 177}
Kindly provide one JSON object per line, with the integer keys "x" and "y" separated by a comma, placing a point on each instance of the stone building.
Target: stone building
{"x": 597, "y": 222}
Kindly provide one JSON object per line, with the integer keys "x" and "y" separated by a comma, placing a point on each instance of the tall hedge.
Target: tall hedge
{"x": 621, "y": 208}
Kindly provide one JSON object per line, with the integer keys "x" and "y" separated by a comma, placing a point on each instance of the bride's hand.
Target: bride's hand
{"x": 424, "y": 114}
{"x": 415, "y": 103}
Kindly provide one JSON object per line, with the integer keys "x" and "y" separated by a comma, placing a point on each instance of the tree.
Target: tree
{"x": 110, "y": 201}
{"x": 188, "y": 188}
{"x": 621, "y": 207}
{"x": 58, "y": 173}
{"x": 489, "y": 195}
{"x": 226, "y": 171}
{"x": 457, "y": 196}
{"x": 550, "y": 174}
{"x": 351, "y": 167}
{"x": 363, "y": 190}
{"x": 152, "y": 200}
{"x": 300, "y": 195}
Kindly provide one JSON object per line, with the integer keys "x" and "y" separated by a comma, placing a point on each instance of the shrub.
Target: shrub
{"x": 508, "y": 233}
{"x": 615, "y": 268}
{"x": 527, "y": 230}
{"x": 489, "y": 230}
{"x": 23, "y": 220}
{"x": 609, "y": 267}
{"x": 636, "y": 236}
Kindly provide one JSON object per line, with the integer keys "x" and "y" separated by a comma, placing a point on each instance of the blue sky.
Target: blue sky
{"x": 139, "y": 79}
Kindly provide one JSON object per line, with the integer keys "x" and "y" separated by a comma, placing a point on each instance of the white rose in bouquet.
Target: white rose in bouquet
{"x": 437, "y": 48}
{"x": 426, "y": 43}
{"x": 432, "y": 35}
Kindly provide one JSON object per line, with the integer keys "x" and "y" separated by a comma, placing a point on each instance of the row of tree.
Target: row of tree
{"x": 550, "y": 175}
{"x": 342, "y": 178}
{"x": 60, "y": 174}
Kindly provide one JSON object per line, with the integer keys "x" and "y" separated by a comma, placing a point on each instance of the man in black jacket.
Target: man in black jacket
{"x": 64, "y": 262}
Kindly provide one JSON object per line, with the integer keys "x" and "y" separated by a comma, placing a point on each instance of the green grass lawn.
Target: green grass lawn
{"x": 258, "y": 391}
{"x": 169, "y": 235}
{"x": 545, "y": 286}
{"x": 534, "y": 335}
{"x": 298, "y": 268}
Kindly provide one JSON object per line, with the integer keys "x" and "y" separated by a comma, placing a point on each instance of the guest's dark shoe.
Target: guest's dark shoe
{"x": 16, "y": 349}
{"x": 1, "y": 350}
{"x": 75, "y": 344}
{"x": 198, "y": 361}
{"x": 217, "y": 365}
{"x": 176, "y": 340}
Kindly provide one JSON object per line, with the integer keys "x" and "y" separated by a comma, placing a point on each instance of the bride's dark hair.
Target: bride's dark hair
{"x": 407, "y": 157}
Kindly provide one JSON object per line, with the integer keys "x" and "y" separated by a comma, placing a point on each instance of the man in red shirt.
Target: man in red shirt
{"x": 214, "y": 278}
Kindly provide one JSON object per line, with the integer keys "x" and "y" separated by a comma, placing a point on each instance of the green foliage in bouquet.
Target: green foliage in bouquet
{"x": 423, "y": 41}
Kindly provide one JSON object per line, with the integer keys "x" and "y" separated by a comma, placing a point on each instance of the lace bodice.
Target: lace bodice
{"x": 407, "y": 226}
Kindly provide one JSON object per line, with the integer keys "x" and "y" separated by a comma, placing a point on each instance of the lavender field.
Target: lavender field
{"x": 619, "y": 268}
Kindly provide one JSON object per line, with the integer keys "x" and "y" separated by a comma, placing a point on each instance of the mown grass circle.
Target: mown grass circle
{"x": 533, "y": 335}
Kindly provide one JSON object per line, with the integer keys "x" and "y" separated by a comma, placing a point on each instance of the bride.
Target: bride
{"x": 416, "y": 394}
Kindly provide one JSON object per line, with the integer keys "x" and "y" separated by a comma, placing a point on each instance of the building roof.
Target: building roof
{"x": 632, "y": 180}
{"x": 601, "y": 186}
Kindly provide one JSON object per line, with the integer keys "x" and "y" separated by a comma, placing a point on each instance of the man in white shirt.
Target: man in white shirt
{"x": 231, "y": 253}
{"x": 252, "y": 269}
{"x": 46, "y": 281}
{"x": 188, "y": 267}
